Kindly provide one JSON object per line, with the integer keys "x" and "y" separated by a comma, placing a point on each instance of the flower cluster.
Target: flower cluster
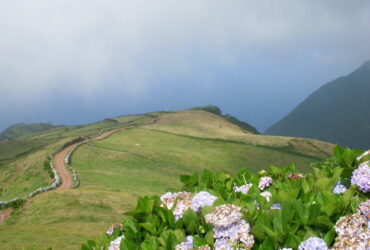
{"x": 313, "y": 243}
{"x": 267, "y": 195}
{"x": 364, "y": 209}
{"x": 229, "y": 228}
{"x": 339, "y": 188}
{"x": 201, "y": 200}
{"x": 276, "y": 206}
{"x": 353, "y": 233}
{"x": 188, "y": 245}
{"x": 224, "y": 215}
{"x": 242, "y": 189}
{"x": 264, "y": 182}
{"x": 361, "y": 177}
{"x": 115, "y": 244}
{"x": 184, "y": 201}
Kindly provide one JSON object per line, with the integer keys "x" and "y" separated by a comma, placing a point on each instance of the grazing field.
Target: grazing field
{"x": 141, "y": 161}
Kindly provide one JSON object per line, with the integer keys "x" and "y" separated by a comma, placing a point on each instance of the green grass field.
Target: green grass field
{"x": 142, "y": 161}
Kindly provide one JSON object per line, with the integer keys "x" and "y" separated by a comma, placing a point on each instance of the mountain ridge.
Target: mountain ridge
{"x": 336, "y": 112}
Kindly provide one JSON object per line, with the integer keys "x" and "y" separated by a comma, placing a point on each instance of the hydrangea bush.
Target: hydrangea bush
{"x": 275, "y": 209}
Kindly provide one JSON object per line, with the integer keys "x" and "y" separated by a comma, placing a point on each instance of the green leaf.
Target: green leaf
{"x": 305, "y": 186}
{"x": 198, "y": 242}
{"x": 329, "y": 237}
{"x": 268, "y": 243}
{"x": 209, "y": 238}
{"x": 171, "y": 241}
{"x": 149, "y": 227}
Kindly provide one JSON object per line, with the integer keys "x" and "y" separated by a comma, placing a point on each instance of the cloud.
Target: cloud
{"x": 136, "y": 47}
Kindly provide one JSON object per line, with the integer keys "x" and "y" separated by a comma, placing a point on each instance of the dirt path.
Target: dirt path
{"x": 61, "y": 166}
{"x": 5, "y": 214}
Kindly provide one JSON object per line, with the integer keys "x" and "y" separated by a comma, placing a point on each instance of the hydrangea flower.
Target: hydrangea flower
{"x": 356, "y": 242}
{"x": 186, "y": 245}
{"x": 353, "y": 233}
{"x": 313, "y": 243}
{"x": 182, "y": 200}
{"x": 237, "y": 232}
{"x": 224, "y": 215}
{"x": 114, "y": 245}
{"x": 264, "y": 182}
{"x": 361, "y": 177}
{"x": 242, "y": 189}
{"x": 233, "y": 231}
{"x": 351, "y": 225}
{"x": 364, "y": 209}
{"x": 183, "y": 203}
{"x": 223, "y": 244}
{"x": 339, "y": 188}
{"x": 267, "y": 195}
{"x": 276, "y": 206}
{"x": 201, "y": 200}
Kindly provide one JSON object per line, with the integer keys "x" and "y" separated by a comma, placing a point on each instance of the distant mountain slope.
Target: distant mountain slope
{"x": 23, "y": 129}
{"x": 338, "y": 112}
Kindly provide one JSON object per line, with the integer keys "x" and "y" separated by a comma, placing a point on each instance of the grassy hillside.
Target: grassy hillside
{"x": 143, "y": 161}
{"x": 232, "y": 119}
{"x": 338, "y": 112}
{"x": 23, "y": 129}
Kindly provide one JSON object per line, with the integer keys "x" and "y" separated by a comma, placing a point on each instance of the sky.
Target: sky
{"x": 74, "y": 62}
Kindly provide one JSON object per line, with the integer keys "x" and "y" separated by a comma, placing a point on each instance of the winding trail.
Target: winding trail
{"x": 61, "y": 168}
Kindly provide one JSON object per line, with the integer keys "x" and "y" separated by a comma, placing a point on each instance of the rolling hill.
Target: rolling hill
{"x": 338, "y": 112}
{"x": 24, "y": 129}
{"x": 133, "y": 162}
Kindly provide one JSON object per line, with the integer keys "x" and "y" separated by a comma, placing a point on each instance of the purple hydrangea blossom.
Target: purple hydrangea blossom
{"x": 339, "y": 188}
{"x": 201, "y": 200}
{"x": 361, "y": 177}
{"x": 223, "y": 244}
{"x": 233, "y": 231}
{"x": 115, "y": 244}
{"x": 313, "y": 243}
{"x": 264, "y": 182}
{"x": 364, "y": 209}
{"x": 276, "y": 206}
{"x": 242, "y": 189}
{"x": 186, "y": 245}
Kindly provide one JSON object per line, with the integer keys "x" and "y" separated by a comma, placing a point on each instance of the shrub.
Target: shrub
{"x": 287, "y": 211}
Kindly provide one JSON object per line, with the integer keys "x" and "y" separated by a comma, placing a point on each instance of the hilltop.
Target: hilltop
{"x": 132, "y": 162}
{"x": 23, "y": 129}
{"x": 338, "y": 112}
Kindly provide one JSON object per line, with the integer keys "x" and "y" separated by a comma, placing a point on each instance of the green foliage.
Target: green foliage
{"x": 308, "y": 207}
